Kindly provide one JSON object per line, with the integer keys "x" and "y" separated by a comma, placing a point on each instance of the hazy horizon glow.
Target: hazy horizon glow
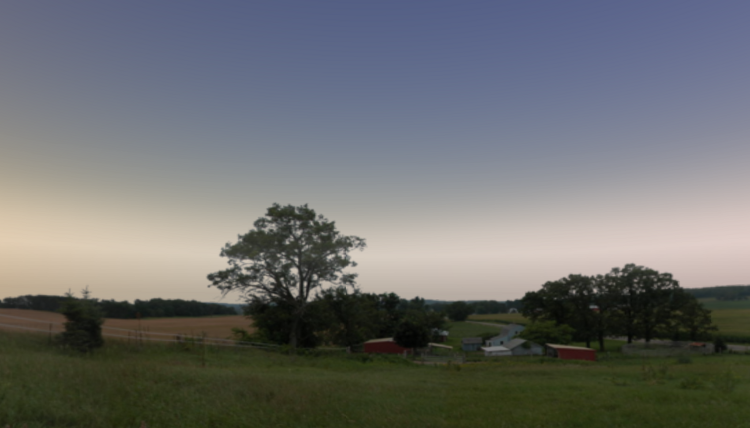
{"x": 480, "y": 149}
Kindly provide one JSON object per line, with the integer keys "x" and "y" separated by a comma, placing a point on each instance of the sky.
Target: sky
{"x": 480, "y": 148}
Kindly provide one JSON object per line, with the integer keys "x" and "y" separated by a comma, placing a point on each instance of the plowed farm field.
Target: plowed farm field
{"x": 218, "y": 327}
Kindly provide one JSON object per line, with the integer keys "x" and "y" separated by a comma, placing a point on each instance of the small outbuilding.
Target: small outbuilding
{"x": 496, "y": 351}
{"x": 471, "y": 343}
{"x": 384, "y": 346}
{"x": 565, "y": 352}
{"x": 439, "y": 335}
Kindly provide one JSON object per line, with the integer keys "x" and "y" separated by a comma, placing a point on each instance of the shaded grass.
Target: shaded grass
{"x": 167, "y": 387}
{"x": 732, "y": 321}
{"x": 717, "y": 305}
{"x": 501, "y": 318}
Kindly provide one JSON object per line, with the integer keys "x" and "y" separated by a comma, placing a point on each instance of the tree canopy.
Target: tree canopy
{"x": 290, "y": 254}
{"x": 633, "y": 301}
{"x": 459, "y": 311}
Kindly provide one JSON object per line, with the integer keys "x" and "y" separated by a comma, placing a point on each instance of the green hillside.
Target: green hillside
{"x": 121, "y": 387}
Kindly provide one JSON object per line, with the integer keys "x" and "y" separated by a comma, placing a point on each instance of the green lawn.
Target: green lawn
{"x": 501, "y": 318}
{"x": 732, "y": 321}
{"x": 716, "y": 305}
{"x": 42, "y": 386}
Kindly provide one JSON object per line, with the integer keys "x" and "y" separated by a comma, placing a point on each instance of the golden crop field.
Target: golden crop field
{"x": 219, "y": 327}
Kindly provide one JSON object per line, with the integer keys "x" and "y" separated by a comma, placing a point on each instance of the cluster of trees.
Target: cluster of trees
{"x": 291, "y": 269}
{"x": 476, "y": 307}
{"x": 343, "y": 317}
{"x": 153, "y": 308}
{"x": 635, "y": 302}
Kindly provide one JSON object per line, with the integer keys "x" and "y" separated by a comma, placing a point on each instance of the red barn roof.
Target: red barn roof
{"x": 384, "y": 346}
{"x": 565, "y": 352}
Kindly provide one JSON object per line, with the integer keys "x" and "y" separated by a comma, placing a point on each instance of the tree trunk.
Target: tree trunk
{"x": 601, "y": 341}
{"x": 293, "y": 336}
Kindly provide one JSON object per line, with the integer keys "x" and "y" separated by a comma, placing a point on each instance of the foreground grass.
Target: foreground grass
{"x": 119, "y": 386}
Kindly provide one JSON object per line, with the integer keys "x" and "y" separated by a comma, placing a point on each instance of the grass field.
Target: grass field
{"x": 220, "y": 326}
{"x": 166, "y": 386}
{"x": 732, "y": 321}
{"x": 716, "y": 305}
{"x": 501, "y": 318}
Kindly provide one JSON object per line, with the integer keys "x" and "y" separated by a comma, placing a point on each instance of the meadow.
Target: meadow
{"x": 715, "y": 305}
{"x": 190, "y": 386}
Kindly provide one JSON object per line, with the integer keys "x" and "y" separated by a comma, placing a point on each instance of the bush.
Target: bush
{"x": 83, "y": 330}
{"x": 726, "y": 382}
{"x": 691, "y": 383}
{"x": 720, "y": 345}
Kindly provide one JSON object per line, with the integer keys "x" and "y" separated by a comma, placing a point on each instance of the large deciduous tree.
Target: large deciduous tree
{"x": 289, "y": 255}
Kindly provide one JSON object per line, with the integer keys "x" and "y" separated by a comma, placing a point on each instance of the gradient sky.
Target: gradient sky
{"x": 481, "y": 148}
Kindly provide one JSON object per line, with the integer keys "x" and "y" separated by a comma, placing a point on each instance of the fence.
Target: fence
{"x": 670, "y": 349}
{"x": 442, "y": 359}
{"x": 139, "y": 336}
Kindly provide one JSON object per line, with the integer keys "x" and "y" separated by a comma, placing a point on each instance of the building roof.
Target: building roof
{"x": 385, "y": 339}
{"x": 577, "y": 348}
{"x": 515, "y": 342}
{"x": 495, "y": 348}
{"x": 438, "y": 345}
{"x": 471, "y": 340}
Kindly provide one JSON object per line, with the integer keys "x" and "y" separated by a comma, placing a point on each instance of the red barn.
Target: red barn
{"x": 565, "y": 352}
{"x": 384, "y": 346}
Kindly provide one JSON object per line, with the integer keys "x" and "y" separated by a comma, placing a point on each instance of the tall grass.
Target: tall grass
{"x": 166, "y": 386}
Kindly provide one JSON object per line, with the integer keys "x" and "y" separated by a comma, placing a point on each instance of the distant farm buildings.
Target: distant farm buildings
{"x": 471, "y": 343}
{"x": 520, "y": 346}
{"x": 565, "y": 352}
{"x": 387, "y": 345}
{"x": 384, "y": 346}
{"x": 496, "y": 351}
{"x": 516, "y": 347}
{"x": 507, "y": 333}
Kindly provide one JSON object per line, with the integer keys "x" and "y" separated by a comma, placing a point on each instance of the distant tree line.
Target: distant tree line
{"x": 634, "y": 302}
{"x": 726, "y": 292}
{"x": 154, "y": 308}
{"x": 479, "y": 307}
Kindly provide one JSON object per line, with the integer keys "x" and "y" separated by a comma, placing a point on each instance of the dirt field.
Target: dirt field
{"x": 218, "y": 327}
